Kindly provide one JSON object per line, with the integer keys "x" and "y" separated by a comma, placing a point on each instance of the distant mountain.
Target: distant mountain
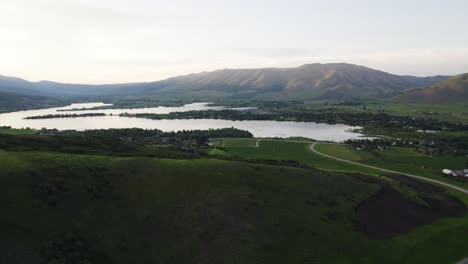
{"x": 15, "y": 102}
{"x": 452, "y": 90}
{"x": 16, "y": 85}
{"x": 56, "y": 89}
{"x": 307, "y": 82}
{"x": 311, "y": 81}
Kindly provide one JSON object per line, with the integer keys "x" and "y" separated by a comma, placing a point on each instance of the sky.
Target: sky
{"x": 115, "y": 41}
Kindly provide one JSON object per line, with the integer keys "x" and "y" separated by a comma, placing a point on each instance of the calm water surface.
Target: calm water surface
{"x": 318, "y": 131}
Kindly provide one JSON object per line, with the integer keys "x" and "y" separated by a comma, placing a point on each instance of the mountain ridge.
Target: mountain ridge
{"x": 314, "y": 81}
{"x": 452, "y": 90}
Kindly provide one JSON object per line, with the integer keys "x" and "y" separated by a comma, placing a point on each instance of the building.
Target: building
{"x": 456, "y": 173}
{"x": 449, "y": 172}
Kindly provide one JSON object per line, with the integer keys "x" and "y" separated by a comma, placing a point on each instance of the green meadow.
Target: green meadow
{"x": 400, "y": 159}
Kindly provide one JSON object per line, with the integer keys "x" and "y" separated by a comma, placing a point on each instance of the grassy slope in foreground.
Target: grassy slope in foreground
{"x": 135, "y": 210}
{"x": 122, "y": 210}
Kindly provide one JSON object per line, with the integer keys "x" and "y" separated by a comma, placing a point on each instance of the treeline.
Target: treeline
{"x": 380, "y": 120}
{"x": 155, "y": 136}
{"x": 65, "y": 116}
{"x": 81, "y": 143}
{"x": 433, "y": 145}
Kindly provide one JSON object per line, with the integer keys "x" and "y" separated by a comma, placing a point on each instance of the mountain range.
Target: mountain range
{"x": 308, "y": 82}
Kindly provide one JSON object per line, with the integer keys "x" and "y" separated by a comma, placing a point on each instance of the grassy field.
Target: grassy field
{"x": 275, "y": 150}
{"x": 12, "y": 131}
{"x": 449, "y": 112}
{"x": 399, "y": 159}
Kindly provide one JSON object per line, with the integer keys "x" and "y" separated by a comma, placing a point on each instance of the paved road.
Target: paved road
{"x": 257, "y": 143}
{"x": 448, "y": 185}
{"x": 464, "y": 261}
{"x": 312, "y": 148}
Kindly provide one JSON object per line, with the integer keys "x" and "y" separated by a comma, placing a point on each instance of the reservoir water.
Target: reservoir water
{"x": 318, "y": 131}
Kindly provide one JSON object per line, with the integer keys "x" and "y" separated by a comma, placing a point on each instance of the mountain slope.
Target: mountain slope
{"x": 311, "y": 81}
{"x": 48, "y": 88}
{"x": 14, "y": 102}
{"x": 307, "y": 82}
{"x": 16, "y": 85}
{"x": 452, "y": 90}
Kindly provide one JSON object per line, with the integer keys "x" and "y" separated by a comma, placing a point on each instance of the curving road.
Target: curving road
{"x": 312, "y": 148}
{"x": 448, "y": 185}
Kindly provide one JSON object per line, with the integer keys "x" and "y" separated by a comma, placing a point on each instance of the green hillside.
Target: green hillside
{"x": 134, "y": 210}
{"x": 129, "y": 208}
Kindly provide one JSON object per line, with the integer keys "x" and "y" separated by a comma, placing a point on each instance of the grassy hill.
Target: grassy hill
{"x": 452, "y": 90}
{"x": 98, "y": 209}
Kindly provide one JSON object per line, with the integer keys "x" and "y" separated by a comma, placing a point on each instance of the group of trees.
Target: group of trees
{"x": 183, "y": 138}
{"x": 380, "y": 120}
{"x": 65, "y": 116}
{"x": 433, "y": 144}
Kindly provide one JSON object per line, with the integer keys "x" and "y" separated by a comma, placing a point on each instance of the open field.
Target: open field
{"x": 400, "y": 159}
{"x": 448, "y": 112}
{"x": 276, "y": 150}
{"x": 11, "y": 131}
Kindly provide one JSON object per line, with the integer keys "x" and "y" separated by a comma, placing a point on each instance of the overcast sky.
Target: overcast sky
{"x": 112, "y": 41}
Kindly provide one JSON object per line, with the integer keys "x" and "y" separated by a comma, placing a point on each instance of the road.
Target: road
{"x": 448, "y": 185}
{"x": 312, "y": 148}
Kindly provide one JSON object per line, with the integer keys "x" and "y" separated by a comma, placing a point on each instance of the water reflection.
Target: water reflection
{"x": 318, "y": 131}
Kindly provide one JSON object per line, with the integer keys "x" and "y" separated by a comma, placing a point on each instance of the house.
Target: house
{"x": 456, "y": 173}
{"x": 449, "y": 172}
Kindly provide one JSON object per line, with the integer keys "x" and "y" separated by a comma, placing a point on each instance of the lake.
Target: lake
{"x": 318, "y": 131}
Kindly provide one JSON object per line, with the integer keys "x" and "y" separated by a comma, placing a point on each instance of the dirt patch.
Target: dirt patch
{"x": 417, "y": 185}
{"x": 388, "y": 213}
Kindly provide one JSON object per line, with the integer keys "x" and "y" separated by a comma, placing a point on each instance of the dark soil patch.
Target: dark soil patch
{"x": 388, "y": 213}
{"x": 415, "y": 184}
